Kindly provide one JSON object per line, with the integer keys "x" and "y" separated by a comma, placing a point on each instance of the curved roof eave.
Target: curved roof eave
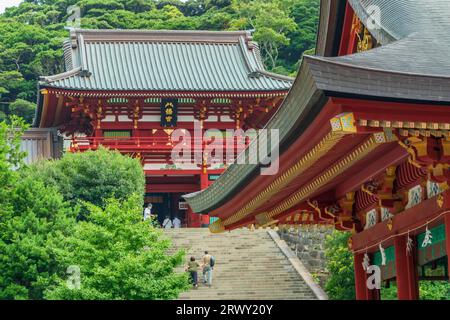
{"x": 299, "y": 108}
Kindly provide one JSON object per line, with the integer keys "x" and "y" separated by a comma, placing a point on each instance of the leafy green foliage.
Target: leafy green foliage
{"x": 30, "y": 215}
{"x": 434, "y": 290}
{"x": 93, "y": 176}
{"x": 38, "y": 218}
{"x": 32, "y": 33}
{"x": 428, "y": 290}
{"x": 24, "y": 109}
{"x": 341, "y": 282}
{"x": 119, "y": 256}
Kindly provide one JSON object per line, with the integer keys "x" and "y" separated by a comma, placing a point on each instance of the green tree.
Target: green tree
{"x": 303, "y": 38}
{"x": 271, "y": 24}
{"x": 38, "y": 217}
{"x": 93, "y": 176}
{"x": 341, "y": 282}
{"x": 24, "y": 109}
{"x": 33, "y": 32}
{"x": 119, "y": 257}
{"x": 30, "y": 215}
{"x": 428, "y": 290}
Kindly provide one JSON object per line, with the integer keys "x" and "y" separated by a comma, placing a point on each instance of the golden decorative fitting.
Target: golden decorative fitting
{"x": 420, "y": 145}
{"x": 350, "y": 243}
{"x": 366, "y": 42}
{"x": 390, "y": 171}
{"x": 444, "y": 186}
{"x": 356, "y": 155}
{"x": 217, "y": 226}
{"x": 440, "y": 200}
{"x": 412, "y": 154}
{"x": 344, "y": 122}
{"x": 356, "y": 24}
{"x": 321, "y": 149}
{"x": 390, "y": 224}
{"x": 446, "y": 146}
{"x": 366, "y": 190}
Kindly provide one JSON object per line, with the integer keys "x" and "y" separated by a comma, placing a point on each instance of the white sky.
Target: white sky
{"x": 8, "y": 3}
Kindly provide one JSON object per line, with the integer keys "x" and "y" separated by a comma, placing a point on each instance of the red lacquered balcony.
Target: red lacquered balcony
{"x": 160, "y": 145}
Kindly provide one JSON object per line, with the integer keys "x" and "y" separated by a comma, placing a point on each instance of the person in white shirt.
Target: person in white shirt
{"x": 167, "y": 223}
{"x": 176, "y": 223}
{"x": 148, "y": 212}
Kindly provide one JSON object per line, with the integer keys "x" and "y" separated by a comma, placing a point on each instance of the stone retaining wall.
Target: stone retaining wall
{"x": 308, "y": 243}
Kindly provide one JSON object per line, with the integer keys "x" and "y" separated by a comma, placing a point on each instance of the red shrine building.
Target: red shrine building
{"x": 364, "y": 145}
{"x": 128, "y": 90}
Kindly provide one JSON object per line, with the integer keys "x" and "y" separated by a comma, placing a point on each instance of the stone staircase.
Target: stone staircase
{"x": 249, "y": 266}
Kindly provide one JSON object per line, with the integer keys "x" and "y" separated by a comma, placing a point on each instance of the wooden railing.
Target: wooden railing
{"x": 153, "y": 144}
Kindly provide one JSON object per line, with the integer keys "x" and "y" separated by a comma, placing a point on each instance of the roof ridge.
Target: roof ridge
{"x": 331, "y": 60}
{"x": 382, "y": 34}
{"x": 257, "y": 71}
{"x": 61, "y": 76}
{"x": 275, "y": 76}
{"x": 131, "y": 35}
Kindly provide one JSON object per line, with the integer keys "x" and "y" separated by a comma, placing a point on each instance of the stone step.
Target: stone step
{"x": 249, "y": 265}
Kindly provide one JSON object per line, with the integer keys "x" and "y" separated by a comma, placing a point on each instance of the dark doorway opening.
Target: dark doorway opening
{"x": 167, "y": 205}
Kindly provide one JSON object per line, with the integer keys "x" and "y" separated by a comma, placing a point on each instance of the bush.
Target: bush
{"x": 341, "y": 282}
{"x": 38, "y": 218}
{"x": 428, "y": 290}
{"x": 93, "y": 176}
{"x": 31, "y": 215}
{"x": 119, "y": 257}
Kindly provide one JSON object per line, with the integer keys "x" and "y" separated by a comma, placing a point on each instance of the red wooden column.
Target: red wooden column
{"x": 407, "y": 277}
{"x": 349, "y": 38}
{"x": 447, "y": 237}
{"x": 194, "y": 219}
{"x": 204, "y": 183}
{"x": 360, "y": 277}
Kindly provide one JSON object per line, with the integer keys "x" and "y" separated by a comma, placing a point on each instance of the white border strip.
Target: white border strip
{"x": 298, "y": 266}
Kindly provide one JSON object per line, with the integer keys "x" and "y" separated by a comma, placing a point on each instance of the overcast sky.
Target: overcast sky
{"x": 8, "y": 3}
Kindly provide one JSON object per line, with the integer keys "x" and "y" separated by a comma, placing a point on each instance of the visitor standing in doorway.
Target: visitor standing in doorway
{"x": 148, "y": 212}
{"x": 176, "y": 222}
{"x": 167, "y": 223}
{"x": 207, "y": 264}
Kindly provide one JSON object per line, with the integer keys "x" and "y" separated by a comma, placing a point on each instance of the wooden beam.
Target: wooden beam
{"x": 377, "y": 166}
{"x": 407, "y": 220}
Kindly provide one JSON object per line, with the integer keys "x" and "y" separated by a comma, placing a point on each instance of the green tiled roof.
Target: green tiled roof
{"x": 110, "y": 60}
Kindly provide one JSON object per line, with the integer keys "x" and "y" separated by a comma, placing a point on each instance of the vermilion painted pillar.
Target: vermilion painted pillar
{"x": 447, "y": 238}
{"x": 360, "y": 277}
{"x": 204, "y": 183}
{"x": 194, "y": 219}
{"x": 407, "y": 276}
